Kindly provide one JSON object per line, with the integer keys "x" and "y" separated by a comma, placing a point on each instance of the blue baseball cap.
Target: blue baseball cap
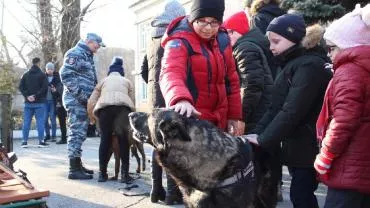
{"x": 96, "y": 38}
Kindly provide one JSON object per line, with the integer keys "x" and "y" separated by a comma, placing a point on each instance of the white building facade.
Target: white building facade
{"x": 144, "y": 11}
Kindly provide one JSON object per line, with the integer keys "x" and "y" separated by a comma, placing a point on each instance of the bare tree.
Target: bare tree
{"x": 71, "y": 21}
{"x": 48, "y": 41}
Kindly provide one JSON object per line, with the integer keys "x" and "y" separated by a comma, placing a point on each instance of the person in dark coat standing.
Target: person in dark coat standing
{"x": 50, "y": 102}
{"x": 343, "y": 127}
{"x": 33, "y": 86}
{"x": 263, "y": 12}
{"x": 150, "y": 72}
{"x": 256, "y": 71}
{"x": 296, "y": 102}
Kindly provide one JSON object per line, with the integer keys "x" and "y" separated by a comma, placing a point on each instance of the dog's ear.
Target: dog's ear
{"x": 171, "y": 129}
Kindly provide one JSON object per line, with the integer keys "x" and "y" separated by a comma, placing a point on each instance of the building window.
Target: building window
{"x": 144, "y": 30}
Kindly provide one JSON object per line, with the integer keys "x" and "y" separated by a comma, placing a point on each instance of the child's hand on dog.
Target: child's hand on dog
{"x": 185, "y": 107}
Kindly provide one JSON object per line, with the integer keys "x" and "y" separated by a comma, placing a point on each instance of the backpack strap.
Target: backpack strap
{"x": 190, "y": 82}
{"x": 223, "y": 41}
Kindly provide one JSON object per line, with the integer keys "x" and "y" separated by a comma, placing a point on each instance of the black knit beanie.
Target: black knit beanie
{"x": 116, "y": 66}
{"x": 207, "y": 8}
{"x": 290, "y": 26}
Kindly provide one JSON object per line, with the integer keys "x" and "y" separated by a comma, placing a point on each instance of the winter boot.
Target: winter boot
{"x": 125, "y": 176}
{"x": 103, "y": 176}
{"x": 157, "y": 193}
{"x": 173, "y": 192}
{"x": 62, "y": 141}
{"x": 75, "y": 170}
{"x": 88, "y": 171}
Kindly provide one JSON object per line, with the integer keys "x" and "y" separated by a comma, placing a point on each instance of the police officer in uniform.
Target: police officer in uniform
{"x": 79, "y": 78}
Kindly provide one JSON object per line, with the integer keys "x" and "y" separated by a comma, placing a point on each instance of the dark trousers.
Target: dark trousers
{"x": 114, "y": 119}
{"x": 341, "y": 198}
{"x": 62, "y": 116}
{"x": 302, "y": 188}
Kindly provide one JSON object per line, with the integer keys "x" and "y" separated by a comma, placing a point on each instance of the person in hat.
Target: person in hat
{"x": 110, "y": 103}
{"x": 343, "y": 126}
{"x": 256, "y": 73}
{"x": 54, "y": 84}
{"x": 262, "y": 12}
{"x": 151, "y": 69}
{"x": 297, "y": 98}
{"x": 79, "y": 78}
{"x": 198, "y": 75}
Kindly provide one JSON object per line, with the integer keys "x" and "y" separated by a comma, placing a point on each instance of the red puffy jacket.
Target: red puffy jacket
{"x": 346, "y": 118}
{"x": 208, "y": 73}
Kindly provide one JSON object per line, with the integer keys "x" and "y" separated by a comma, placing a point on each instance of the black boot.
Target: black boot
{"x": 62, "y": 141}
{"x": 173, "y": 192}
{"x": 88, "y": 171}
{"x": 103, "y": 176}
{"x": 47, "y": 138}
{"x": 157, "y": 193}
{"x": 125, "y": 176}
{"x": 75, "y": 170}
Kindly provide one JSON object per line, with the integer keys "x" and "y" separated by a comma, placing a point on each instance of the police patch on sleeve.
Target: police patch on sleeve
{"x": 71, "y": 60}
{"x": 173, "y": 44}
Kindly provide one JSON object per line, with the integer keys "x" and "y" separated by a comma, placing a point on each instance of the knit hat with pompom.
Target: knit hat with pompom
{"x": 351, "y": 30}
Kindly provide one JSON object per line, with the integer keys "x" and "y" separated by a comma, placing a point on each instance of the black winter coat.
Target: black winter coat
{"x": 297, "y": 98}
{"x": 154, "y": 56}
{"x": 34, "y": 82}
{"x": 57, "y": 83}
{"x": 253, "y": 60}
{"x": 265, "y": 15}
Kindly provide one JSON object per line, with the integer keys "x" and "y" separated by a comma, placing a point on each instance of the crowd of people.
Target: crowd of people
{"x": 43, "y": 99}
{"x": 261, "y": 73}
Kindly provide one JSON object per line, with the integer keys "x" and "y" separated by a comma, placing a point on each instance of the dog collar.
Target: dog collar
{"x": 239, "y": 175}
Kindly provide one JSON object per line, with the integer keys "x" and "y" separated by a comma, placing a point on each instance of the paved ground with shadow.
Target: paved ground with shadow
{"x": 47, "y": 168}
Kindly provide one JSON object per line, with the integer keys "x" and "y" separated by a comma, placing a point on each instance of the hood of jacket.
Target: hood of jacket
{"x": 35, "y": 69}
{"x": 359, "y": 56}
{"x": 171, "y": 11}
{"x": 268, "y": 8}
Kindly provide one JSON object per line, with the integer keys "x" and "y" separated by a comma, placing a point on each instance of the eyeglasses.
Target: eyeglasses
{"x": 331, "y": 48}
{"x": 203, "y": 23}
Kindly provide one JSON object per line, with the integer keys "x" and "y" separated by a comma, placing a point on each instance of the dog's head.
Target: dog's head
{"x": 159, "y": 128}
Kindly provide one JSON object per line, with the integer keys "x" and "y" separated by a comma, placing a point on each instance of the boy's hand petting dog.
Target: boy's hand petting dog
{"x": 184, "y": 107}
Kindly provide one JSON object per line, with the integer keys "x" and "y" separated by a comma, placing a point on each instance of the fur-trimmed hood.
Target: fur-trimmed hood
{"x": 314, "y": 36}
{"x": 266, "y": 6}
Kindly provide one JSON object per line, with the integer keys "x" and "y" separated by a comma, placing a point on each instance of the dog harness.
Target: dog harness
{"x": 239, "y": 174}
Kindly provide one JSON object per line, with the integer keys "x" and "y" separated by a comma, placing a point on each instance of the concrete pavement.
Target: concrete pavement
{"x": 47, "y": 168}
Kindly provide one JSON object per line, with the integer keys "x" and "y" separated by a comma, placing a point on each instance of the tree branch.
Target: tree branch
{"x": 19, "y": 51}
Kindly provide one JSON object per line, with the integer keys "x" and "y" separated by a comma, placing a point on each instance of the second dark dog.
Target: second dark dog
{"x": 135, "y": 146}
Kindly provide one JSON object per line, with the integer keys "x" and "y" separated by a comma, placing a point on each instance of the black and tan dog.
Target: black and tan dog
{"x": 212, "y": 168}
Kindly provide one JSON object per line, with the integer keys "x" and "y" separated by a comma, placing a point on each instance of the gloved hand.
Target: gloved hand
{"x": 323, "y": 161}
{"x": 252, "y": 138}
{"x": 185, "y": 107}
